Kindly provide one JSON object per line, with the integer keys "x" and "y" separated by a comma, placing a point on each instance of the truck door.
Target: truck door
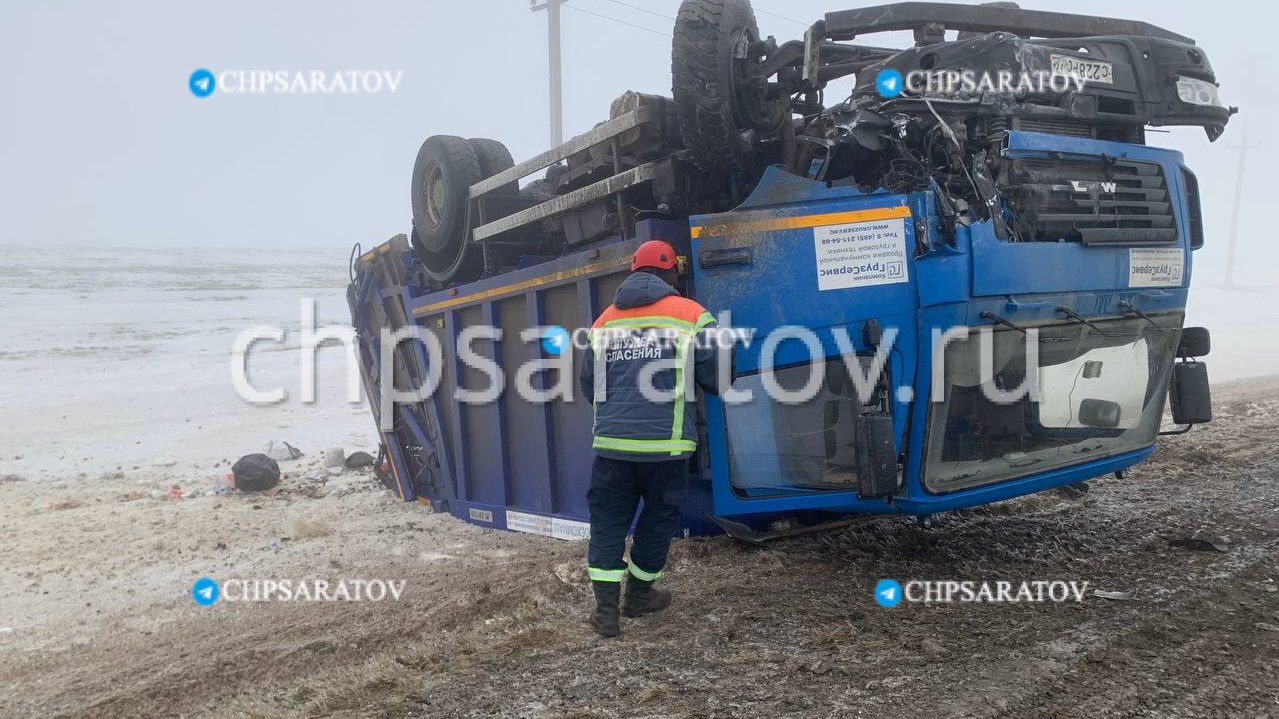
{"x": 814, "y": 274}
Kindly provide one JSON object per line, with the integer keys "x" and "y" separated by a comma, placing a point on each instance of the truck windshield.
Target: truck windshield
{"x": 1101, "y": 393}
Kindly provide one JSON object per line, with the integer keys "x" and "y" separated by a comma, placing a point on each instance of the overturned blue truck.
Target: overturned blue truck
{"x": 981, "y": 213}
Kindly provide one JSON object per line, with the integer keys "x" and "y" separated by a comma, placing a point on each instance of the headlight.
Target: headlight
{"x": 1197, "y": 92}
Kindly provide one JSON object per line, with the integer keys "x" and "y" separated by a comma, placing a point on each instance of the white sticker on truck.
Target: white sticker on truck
{"x": 1155, "y": 267}
{"x": 861, "y": 254}
{"x": 546, "y": 526}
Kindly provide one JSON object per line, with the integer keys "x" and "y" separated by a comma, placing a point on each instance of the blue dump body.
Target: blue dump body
{"x": 831, "y": 259}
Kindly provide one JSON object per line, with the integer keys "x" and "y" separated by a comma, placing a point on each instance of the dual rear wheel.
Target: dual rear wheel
{"x": 723, "y": 108}
{"x": 445, "y": 169}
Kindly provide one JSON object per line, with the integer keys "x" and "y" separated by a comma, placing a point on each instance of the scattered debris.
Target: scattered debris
{"x": 1201, "y": 544}
{"x": 1074, "y": 491}
{"x": 255, "y": 472}
{"x": 360, "y": 460}
{"x": 334, "y": 457}
{"x": 65, "y": 504}
{"x": 1103, "y": 594}
{"x": 281, "y": 450}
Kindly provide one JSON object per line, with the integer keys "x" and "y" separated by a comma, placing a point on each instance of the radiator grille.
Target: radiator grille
{"x": 1116, "y": 202}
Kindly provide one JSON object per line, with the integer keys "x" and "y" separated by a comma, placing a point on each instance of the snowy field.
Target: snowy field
{"x": 119, "y": 359}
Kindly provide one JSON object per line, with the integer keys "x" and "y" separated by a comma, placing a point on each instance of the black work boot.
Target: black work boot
{"x": 642, "y": 598}
{"x": 605, "y": 620}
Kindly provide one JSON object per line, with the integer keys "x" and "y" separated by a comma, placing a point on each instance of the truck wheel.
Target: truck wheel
{"x": 445, "y": 169}
{"x": 494, "y": 158}
{"x": 720, "y": 114}
{"x": 462, "y": 263}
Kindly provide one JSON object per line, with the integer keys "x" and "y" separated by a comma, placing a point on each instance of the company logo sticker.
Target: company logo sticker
{"x": 861, "y": 254}
{"x": 1155, "y": 267}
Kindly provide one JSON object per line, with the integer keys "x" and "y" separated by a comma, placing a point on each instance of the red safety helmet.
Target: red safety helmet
{"x": 654, "y": 253}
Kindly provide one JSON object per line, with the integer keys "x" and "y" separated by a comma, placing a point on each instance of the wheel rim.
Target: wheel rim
{"x": 435, "y": 192}
{"x": 751, "y": 110}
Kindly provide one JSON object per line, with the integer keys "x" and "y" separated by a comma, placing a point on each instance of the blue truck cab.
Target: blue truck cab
{"x": 1108, "y": 318}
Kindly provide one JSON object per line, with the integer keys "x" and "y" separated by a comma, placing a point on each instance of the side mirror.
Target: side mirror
{"x": 1099, "y": 413}
{"x": 876, "y": 455}
{"x": 1195, "y": 342}
{"x": 1189, "y": 394}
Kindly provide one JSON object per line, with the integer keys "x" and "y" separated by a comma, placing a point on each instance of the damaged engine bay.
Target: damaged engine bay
{"x": 741, "y": 103}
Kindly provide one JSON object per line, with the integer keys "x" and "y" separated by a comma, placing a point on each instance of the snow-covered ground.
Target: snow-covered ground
{"x": 119, "y": 358}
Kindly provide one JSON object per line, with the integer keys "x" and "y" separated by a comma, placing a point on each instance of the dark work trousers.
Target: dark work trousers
{"x": 616, "y": 489}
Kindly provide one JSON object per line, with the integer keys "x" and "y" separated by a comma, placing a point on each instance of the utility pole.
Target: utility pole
{"x": 552, "y": 8}
{"x": 1234, "y": 219}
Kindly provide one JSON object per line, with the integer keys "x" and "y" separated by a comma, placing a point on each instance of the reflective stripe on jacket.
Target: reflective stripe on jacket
{"x": 647, "y": 323}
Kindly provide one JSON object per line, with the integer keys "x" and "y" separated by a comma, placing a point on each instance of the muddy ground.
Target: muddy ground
{"x": 97, "y": 620}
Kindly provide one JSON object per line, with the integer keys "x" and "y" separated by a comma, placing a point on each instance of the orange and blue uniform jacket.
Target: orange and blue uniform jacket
{"x": 648, "y": 322}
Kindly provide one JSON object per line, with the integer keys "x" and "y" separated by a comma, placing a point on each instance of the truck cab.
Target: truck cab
{"x": 1095, "y": 327}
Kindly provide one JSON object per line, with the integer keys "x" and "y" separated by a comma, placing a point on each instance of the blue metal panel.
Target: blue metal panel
{"x": 532, "y": 459}
{"x": 534, "y": 487}
{"x": 1026, "y": 267}
{"x": 456, "y": 410}
{"x": 496, "y": 439}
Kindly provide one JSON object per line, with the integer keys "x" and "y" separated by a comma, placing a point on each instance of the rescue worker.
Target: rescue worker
{"x": 642, "y": 444}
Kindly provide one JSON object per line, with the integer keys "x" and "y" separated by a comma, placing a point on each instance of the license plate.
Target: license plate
{"x": 1089, "y": 70}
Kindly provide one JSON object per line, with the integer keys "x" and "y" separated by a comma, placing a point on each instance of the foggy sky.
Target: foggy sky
{"x": 102, "y": 143}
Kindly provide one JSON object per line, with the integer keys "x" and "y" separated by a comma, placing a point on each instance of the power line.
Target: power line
{"x": 654, "y": 13}
{"x": 781, "y": 17}
{"x": 616, "y": 20}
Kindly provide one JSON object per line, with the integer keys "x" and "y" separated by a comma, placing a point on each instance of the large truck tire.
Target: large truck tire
{"x": 494, "y": 157}
{"x": 459, "y": 264}
{"x": 445, "y": 169}
{"x": 719, "y": 119}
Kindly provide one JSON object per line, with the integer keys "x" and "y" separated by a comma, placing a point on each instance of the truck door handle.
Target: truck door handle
{"x": 733, "y": 256}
